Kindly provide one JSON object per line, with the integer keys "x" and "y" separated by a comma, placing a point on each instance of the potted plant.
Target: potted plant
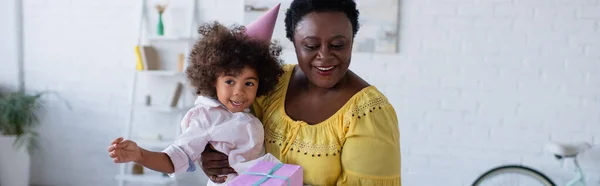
{"x": 18, "y": 120}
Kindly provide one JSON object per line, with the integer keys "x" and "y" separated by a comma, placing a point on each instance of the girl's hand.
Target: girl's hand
{"x": 215, "y": 163}
{"x": 124, "y": 151}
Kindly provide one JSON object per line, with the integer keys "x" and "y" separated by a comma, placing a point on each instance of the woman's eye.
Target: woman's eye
{"x": 311, "y": 47}
{"x": 229, "y": 82}
{"x": 337, "y": 46}
{"x": 249, "y": 84}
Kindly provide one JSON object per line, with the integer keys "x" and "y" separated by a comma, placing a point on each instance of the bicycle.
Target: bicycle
{"x": 560, "y": 151}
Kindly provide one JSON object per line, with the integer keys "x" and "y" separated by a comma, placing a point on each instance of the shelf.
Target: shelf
{"x": 162, "y": 67}
{"x": 154, "y": 144}
{"x": 163, "y": 109}
{"x": 144, "y": 178}
{"x": 170, "y": 38}
{"x": 162, "y": 73}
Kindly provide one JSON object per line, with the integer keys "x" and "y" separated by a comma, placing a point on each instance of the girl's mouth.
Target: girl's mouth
{"x": 237, "y": 103}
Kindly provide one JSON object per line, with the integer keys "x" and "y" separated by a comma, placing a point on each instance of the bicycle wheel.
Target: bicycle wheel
{"x": 513, "y": 175}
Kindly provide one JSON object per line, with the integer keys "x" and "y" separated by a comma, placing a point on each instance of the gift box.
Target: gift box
{"x": 266, "y": 173}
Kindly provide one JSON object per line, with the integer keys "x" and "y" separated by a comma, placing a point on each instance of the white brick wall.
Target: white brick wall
{"x": 9, "y": 76}
{"x": 477, "y": 84}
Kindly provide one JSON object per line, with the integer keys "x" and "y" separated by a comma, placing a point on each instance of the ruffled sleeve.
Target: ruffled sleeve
{"x": 371, "y": 150}
{"x": 257, "y": 108}
{"x": 270, "y": 101}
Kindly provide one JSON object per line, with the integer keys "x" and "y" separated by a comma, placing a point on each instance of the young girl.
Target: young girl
{"x": 229, "y": 69}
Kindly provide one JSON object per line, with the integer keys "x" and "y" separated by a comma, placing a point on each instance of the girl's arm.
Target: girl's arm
{"x": 123, "y": 151}
{"x": 158, "y": 161}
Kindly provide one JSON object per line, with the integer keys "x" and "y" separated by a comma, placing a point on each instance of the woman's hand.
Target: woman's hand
{"x": 215, "y": 163}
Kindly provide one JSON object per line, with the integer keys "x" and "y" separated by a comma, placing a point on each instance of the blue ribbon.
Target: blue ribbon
{"x": 268, "y": 175}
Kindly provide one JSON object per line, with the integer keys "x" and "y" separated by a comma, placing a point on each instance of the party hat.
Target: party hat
{"x": 262, "y": 28}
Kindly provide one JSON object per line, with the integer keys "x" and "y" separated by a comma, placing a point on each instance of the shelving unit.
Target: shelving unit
{"x": 169, "y": 75}
{"x": 169, "y": 38}
{"x": 155, "y": 144}
{"x": 163, "y": 109}
{"x": 147, "y": 179}
{"x": 165, "y": 73}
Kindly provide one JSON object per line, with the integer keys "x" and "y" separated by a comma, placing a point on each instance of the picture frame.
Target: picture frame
{"x": 379, "y": 22}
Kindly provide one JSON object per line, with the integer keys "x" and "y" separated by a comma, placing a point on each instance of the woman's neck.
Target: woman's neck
{"x": 320, "y": 91}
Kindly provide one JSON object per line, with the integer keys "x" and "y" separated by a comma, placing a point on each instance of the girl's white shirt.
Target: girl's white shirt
{"x": 240, "y": 135}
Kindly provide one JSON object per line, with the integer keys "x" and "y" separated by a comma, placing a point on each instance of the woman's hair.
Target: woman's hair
{"x": 299, "y": 8}
{"x": 223, "y": 51}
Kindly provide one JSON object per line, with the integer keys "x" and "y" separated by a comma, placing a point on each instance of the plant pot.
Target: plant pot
{"x": 14, "y": 163}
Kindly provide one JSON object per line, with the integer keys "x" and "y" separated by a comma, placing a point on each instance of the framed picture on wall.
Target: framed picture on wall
{"x": 379, "y": 23}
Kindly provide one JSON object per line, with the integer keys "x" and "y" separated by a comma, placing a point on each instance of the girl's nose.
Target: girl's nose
{"x": 238, "y": 92}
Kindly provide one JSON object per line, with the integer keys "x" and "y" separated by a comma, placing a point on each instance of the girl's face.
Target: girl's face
{"x": 237, "y": 92}
{"x": 323, "y": 43}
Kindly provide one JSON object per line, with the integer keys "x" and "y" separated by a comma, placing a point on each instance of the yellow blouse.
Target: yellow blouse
{"x": 358, "y": 145}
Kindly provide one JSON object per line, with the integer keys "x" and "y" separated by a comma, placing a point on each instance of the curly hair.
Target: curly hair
{"x": 227, "y": 51}
{"x": 299, "y": 8}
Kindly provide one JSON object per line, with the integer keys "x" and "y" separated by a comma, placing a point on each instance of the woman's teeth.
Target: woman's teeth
{"x": 325, "y": 68}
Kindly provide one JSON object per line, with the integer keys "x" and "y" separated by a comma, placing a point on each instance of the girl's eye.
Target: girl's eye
{"x": 229, "y": 82}
{"x": 249, "y": 84}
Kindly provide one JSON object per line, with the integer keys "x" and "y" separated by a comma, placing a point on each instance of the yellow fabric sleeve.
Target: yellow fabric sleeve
{"x": 257, "y": 108}
{"x": 270, "y": 101}
{"x": 371, "y": 151}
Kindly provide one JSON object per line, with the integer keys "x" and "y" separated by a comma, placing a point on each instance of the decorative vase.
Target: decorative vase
{"x": 137, "y": 169}
{"x": 161, "y": 27}
{"x": 14, "y": 163}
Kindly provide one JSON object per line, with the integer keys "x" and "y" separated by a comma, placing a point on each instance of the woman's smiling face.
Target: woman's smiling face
{"x": 323, "y": 43}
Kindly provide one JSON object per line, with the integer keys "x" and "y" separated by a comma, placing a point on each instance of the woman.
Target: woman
{"x": 322, "y": 116}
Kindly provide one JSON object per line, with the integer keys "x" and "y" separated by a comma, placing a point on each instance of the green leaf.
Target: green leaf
{"x": 19, "y": 117}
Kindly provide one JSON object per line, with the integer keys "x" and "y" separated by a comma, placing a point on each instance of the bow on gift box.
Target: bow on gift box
{"x": 268, "y": 175}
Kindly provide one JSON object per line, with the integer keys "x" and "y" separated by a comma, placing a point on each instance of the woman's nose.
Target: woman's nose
{"x": 324, "y": 53}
